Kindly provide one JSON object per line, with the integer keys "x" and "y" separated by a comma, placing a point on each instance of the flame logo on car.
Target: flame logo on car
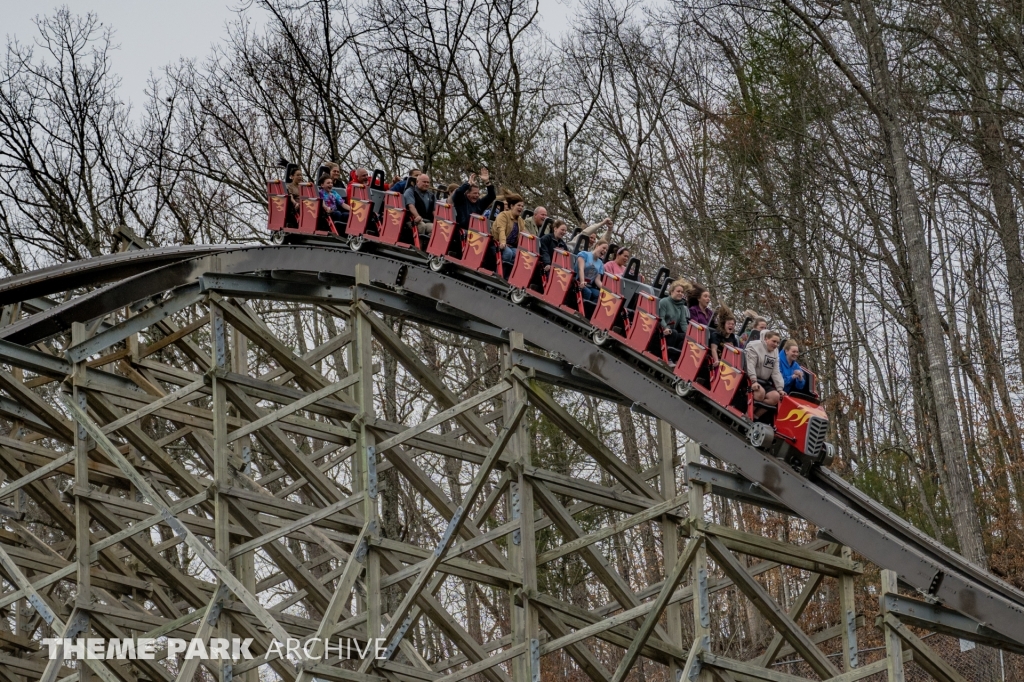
{"x": 445, "y": 228}
{"x": 528, "y": 261}
{"x": 729, "y": 376}
{"x": 395, "y": 217}
{"x": 359, "y": 210}
{"x": 798, "y": 416}
{"x": 278, "y": 203}
{"x": 607, "y": 301}
{"x": 476, "y": 242}
{"x": 646, "y": 322}
{"x": 694, "y": 352}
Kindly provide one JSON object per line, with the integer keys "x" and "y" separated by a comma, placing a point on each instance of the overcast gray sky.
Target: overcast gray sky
{"x": 153, "y": 34}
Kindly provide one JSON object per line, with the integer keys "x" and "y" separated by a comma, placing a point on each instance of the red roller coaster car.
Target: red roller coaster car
{"x": 624, "y": 320}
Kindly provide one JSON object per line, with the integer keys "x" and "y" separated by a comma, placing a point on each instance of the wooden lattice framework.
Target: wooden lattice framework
{"x": 140, "y": 471}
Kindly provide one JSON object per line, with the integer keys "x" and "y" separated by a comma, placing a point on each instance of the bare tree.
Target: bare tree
{"x": 71, "y": 171}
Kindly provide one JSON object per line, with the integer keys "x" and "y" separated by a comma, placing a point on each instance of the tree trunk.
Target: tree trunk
{"x": 959, "y": 491}
{"x": 629, "y": 443}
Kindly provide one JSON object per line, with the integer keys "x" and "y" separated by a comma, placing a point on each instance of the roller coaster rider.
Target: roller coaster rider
{"x": 674, "y": 316}
{"x": 619, "y": 310}
{"x": 294, "y": 176}
{"x": 723, "y": 333}
{"x": 761, "y": 360}
{"x": 507, "y": 227}
{"x": 420, "y": 202}
{"x": 555, "y": 239}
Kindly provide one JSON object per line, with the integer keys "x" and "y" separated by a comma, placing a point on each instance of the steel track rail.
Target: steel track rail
{"x": 96, "y": 271}
{"x": 828, "y": 502}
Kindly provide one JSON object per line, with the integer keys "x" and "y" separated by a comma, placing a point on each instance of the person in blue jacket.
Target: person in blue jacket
{"x": 406, "y": 182}
{"x": 793, "y": 376}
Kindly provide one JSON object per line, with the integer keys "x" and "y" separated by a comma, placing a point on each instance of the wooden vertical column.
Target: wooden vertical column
{"x": 245, "y": 564}
{"x": 670, "y": 534}
{"x": 364, "y": 464}
{"x": 221, "y": 472}
{"x": 893, "y": 645}
{"x": 699, "y": 571}
{"x": 848, "y": 617}
{"x": 83, "y": 601}
{"x": 523, "y": 550}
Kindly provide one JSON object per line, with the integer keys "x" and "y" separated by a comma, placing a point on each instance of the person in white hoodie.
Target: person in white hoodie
{"x": 761, "y": 360}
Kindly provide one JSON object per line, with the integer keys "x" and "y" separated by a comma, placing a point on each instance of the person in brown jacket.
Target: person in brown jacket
{"x": 293, "y": 208}
{"x": 508, "y": 226}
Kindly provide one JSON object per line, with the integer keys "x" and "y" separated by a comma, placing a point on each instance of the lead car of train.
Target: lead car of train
{"x": 623, "y": 321}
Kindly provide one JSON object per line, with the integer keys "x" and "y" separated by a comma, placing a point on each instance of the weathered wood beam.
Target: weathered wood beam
{"x": 290, "y": 408}
{"x": 447, "y": 624}
{"x": 415, "y": 556}
{"x": 616, "y": 584}
{"x": 339, "y": 599}
{"x": 795, "y": 611}
{"x": 767, "y": 606}
{"x": 589, "y": 442}
{"x": 282, "y": 556}
{"x": 657, "y": 608}
{"x": 32, "y": 402}
{"x": 180, "y": 299}
{"x": 284, "y": 450}
{"x": 924, "y": 656}
{"x": 194, "y": 543}
{"x": 744, "y": 671}
{"x": 298, "y": 524}
{"x": 445, "y": 415}
{"x": 282, "y": 376}
{"x": 655, "y": 511}
{"x": 182, "y": 393}
{"x": 50, "y": 616}
{"x": 783, "y": 552}
{"x": 37, "y": 474}
{"x": 579, "y": 651}
{"x": 587, "y": 491}
{"x": 174, "y": 336}
{"x": 820, "y": 637}
{"x": 427, "y": 377}
{"x": 423, "y": 484}
{"x": 396, "y": 630}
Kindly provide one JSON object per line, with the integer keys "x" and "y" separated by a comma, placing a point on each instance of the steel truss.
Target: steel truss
{"x": 185, "y": 497}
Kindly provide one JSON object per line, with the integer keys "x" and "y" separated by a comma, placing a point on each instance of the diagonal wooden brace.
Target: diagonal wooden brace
{"x": 204, "y": 553}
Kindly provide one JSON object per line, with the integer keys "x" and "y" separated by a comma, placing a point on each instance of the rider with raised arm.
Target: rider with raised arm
{"x": 466, "y": 200}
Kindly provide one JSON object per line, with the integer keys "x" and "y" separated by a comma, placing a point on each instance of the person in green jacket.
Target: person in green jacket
{"x": 674, "y": 314}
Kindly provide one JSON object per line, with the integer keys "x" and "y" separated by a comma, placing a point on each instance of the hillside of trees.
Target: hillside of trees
{"x": 854, "y": 171}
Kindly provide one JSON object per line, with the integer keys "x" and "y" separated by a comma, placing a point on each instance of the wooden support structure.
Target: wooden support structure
{"x": 211, "y": 466}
